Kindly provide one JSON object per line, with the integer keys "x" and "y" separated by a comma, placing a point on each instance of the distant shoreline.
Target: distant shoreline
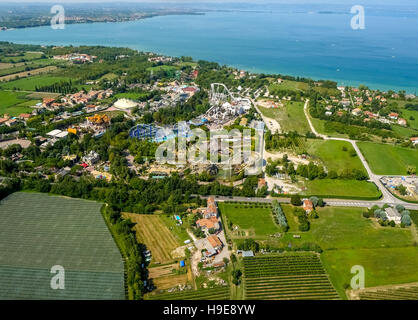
{"x": 87, "y": 21}
{"x": 269, "y": 67}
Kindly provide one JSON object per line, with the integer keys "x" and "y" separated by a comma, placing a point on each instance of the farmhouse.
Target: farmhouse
{"x": 307, "y": 205}
{"x": 215, "y": 242}
{"x": 211, "y": 210}
{"x": 206, "y": 224}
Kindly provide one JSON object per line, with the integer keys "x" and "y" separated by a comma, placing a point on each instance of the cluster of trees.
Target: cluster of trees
{"x": 282, "y": 141}
{"x": 381, "y": 216}
{"x": 195, "y": 106}
{"x": 248, "y": 244}
{"x": 279, "y": 216}
{"x": 406, "y": 215}
{"x": 125, "y": 237}
{"x": 64, "y": 87}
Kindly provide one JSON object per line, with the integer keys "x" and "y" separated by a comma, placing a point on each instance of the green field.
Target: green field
{"x": 407, "y": 114}
{"x": 289, "y": 85}
{"x": 256, "y": 221}
{"x": 29, "y": 84}
{"x": 346, "y": 228}
{"x": 385, "y": 159}
{"x": 291, "y": 117}
{"x": 27, "y": 56}
{"x": 38, "y": 231}
{"x": 331, "y": 153}
{"x": 333, "y": 188}
{"x": 20, "y": 67}
{"x": 382, "y": 266}
{"x": 15, "y": 103}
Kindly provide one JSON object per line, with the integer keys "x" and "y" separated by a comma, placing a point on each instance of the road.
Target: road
{"x": 329, "y": 202}
{"x": 387, "y": 196}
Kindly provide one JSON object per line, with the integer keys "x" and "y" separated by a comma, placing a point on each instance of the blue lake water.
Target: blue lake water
{"x": 295, "y": 42}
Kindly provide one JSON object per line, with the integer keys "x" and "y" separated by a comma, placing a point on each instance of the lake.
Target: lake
{"x": 293, "y": 40}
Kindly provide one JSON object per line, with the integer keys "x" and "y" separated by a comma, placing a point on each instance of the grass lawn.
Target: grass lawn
{"x": 257, "y": 221}
{"x": 291, "y": 117}
{"x": 131, "y": 95}
{"x": 382, "y": 266}
{"x": 331, "y": 153}
{"x": 342, "y": 188}
{"x": 289, "y": 85}
{"x": 29, "y": 84}
{"x": 321, "y": 127}
{"x": 404, "y": 132}
{"x": 386, "y": 159}
{"x": 163, "y": 68}
{"x": 15, "y": 103}
{"x": 346, "y": 228}
{"x": 179, "y": 231}
{"x": 406, "y": 114}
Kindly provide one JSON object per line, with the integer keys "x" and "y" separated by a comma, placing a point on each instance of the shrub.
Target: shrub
{"x": 366, "y": 214}
{"x": 406, "y": 220}
{"x": 295, "y": 200}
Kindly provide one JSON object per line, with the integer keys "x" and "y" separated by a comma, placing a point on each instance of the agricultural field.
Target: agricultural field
{"x": 291, "y": 117}
{"x": 27, "y": 56}
{"x": 38, "y": 231}
{"x": 383, "y": 266}
{"x": 169, "y": 276}
{"x": 385, "y": 159}
{"x": 335, "y": 155}
{"x": 15, "y": 103}
{"x": 218, "y": 293}
{"x": 152, "y": 231}
{"x": 254, "y": 221}
{"x": 335, "y": 188}
{"x": 24, "y": 74}
{"x": 400, "y": 292}
{"x": 287, "y": 276}
{"x": 22, "y": 66}
{"x": 30, "y": 83}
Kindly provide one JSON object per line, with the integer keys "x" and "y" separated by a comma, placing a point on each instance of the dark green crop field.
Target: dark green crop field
{"x": 38, "y": 231}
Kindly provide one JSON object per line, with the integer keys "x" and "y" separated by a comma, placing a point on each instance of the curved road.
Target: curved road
{"x": 387, "y": 196}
